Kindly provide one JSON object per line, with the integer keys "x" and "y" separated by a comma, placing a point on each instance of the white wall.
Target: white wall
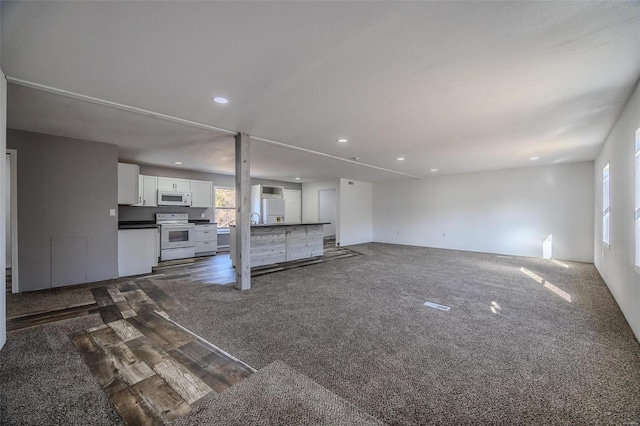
{"x": 7, "y": 201}
{"x": 310, "y": 200}
{"x": 3, "y": 197}
{"x": 355, "y": 212}
{"x": 616, "y": 263}
{"x": 507, "y": 212}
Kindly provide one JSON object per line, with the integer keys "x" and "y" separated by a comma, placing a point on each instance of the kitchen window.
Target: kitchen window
{"x": 225, "y": 206}
{"x": 606, "y": 226}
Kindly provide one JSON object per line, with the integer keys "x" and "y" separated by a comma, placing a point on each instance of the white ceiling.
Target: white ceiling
{"x": 457, "y": 86}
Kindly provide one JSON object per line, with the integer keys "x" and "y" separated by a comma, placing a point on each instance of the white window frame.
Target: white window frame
{"x": 221, "y": 208}
{"x": 606, "y": 205}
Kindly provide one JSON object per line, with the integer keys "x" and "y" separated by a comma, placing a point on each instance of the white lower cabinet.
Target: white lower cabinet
{"x": 206, "y": 239}
{"x": 137, "y": 251}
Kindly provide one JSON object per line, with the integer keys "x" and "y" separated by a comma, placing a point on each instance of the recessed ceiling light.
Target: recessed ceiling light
{"x": 533, "y": 158}
{"x": 342, "y": 140}
{"x": 434, "y": 170}
{"x": 297, "y": 178}
{"x": 220, "y": 100}
{"x": 177, "y": 162}
{"x": 400, "y": 158}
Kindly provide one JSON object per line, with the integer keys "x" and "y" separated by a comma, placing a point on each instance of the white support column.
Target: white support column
{"x": 243, "y": 213}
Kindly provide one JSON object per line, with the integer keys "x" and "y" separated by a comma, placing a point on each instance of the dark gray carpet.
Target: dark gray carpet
{"x": 277, "y": 395}
{"x": 44, "y": 380}
{"x": 358, "y": 327}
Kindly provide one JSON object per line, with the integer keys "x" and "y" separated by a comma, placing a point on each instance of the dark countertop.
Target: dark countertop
{"x": 145, "y": 224}
{"x": 137, "y": 225}
{"x": 266, "y": 225}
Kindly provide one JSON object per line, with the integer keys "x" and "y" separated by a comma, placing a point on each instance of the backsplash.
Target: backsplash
{"x": 129, "y": 213}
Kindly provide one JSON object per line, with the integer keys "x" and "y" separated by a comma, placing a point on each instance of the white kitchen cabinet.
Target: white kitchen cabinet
{"x": 206, "y": 239}
{"x": 137, "y": 251}
{"x": 174, "y": 184}
{"x": 201, "y": 193}
{"x": 140, "y": 190}
{"x": 147, "y": 191}
{"x": 128, "y": 183}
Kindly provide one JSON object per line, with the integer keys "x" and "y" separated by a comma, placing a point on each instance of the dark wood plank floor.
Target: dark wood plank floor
{"x": 152, "y": 368}
{"x": 218, "y": 270}
{"x": 133, "y": 292}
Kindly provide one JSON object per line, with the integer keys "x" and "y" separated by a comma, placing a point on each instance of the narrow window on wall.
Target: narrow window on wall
{"x": 605, "y": 204}
{"x": 638, "y": 199}
{"x": 225, "y": 206}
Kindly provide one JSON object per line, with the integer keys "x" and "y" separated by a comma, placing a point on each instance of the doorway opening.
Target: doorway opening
{"x": 327, "y": 211}
{"x": 11, "y": 239}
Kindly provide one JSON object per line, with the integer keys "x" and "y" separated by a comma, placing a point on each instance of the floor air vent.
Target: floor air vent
{"x": 437, "y": 306}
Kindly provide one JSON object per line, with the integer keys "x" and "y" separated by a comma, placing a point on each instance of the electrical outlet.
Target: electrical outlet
{"x": 112, "y": 212}
{"x": 201, "y": 214}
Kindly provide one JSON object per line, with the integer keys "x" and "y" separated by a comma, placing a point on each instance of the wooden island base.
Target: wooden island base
{"x": 281, "y": 242}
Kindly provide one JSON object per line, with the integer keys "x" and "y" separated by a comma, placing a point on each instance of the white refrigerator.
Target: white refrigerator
{"x": 273, "y": 210}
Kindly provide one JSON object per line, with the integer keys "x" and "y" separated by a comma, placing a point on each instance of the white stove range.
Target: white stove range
{"x": 177, "y": 236}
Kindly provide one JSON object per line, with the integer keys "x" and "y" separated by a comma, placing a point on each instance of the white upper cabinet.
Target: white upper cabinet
{"x": 142, "y": 191}
{"x": 174, "y": 184}
{"x": 201, "y": 193}
{"x": 128, "y": 183}
{"x": 149, "y": 190}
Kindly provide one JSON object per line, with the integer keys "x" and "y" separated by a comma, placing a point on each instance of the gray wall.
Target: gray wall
{"x": 128, "y": 213}
{"x": 65, "y": 190}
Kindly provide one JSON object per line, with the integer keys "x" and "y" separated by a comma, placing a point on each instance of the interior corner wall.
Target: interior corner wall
{"x": 616, "y": 263}
{"x": 66, "y": 188}
{"x": 505, "y": 212}
{"x": 3, "y": 198}
{"x": 355, "y": 212}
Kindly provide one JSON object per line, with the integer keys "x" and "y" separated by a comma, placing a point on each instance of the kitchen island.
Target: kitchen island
{"x": 281, "y": 242}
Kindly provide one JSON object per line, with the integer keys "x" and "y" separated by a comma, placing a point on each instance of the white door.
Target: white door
{"x": 327, "y": 208}
{"x": 292, "y": 206}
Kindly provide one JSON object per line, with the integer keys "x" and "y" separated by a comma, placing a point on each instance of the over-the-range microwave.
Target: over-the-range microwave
{"x": 172, "y": 198}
